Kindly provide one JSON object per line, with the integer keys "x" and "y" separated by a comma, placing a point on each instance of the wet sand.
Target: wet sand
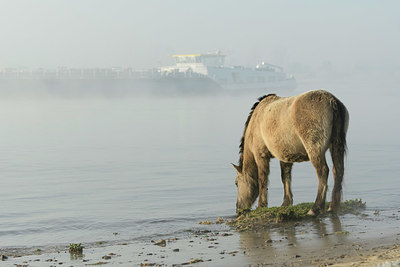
{"x": 349, "y": 240}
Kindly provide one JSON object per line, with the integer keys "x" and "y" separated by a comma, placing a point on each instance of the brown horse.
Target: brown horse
{"x": 292, "y": 129}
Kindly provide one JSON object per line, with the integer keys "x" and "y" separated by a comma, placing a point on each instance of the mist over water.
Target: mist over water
{"x": 80, "y": 169}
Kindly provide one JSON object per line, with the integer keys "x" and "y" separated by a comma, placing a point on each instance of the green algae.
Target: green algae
{"x": 75, "y": 248}
{"x": 253, "y": 219}
{"x": 352, "y": 206}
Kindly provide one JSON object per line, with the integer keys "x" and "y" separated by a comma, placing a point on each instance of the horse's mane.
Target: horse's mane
{"x": 241, "y": 146}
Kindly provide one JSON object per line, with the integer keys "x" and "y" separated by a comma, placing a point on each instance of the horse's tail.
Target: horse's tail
{"x": 340, "y": 125}
{"x": 338, "y": 149}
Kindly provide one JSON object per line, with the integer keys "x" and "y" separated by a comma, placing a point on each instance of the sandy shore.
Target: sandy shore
{"x": 348, "y": 241}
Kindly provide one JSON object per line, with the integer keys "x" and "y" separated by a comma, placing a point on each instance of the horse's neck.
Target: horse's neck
{"x": 250, "y": 166}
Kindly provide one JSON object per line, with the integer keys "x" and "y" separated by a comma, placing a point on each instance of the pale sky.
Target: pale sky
{"x": 100, "y": 33}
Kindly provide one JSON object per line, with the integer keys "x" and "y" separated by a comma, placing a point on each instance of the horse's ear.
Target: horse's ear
{"x": 237, "y": 168}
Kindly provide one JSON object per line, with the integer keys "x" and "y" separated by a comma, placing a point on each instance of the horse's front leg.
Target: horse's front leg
{"x": 263, "y": 172}
{"x": 286, "y": 175}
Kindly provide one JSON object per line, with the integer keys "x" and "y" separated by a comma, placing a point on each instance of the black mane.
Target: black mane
{"x": 241, "y": 146}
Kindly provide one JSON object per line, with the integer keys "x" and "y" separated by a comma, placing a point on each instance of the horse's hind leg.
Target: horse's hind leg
{"x": 322, "y": 169}
{"x": 337, "y": 154}
{"x": 286, "y": 174}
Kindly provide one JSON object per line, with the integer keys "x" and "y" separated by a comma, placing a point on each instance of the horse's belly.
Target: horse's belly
{"x": 297, "y": 157}
{"x": 292, "y": 151}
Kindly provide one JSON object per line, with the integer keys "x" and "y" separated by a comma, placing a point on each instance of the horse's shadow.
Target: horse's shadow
{"x": 293, "y": 238}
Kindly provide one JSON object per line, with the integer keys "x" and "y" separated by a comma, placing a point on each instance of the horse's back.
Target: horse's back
{"x": 292, "y": 126}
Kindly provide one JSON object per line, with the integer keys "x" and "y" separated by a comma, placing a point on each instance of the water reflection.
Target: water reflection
{"x": 76, "y": 256}
{"x": 293, "y": 239}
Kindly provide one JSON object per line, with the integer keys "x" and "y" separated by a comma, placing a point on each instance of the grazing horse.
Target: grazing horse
{"x": 292, "y": 129}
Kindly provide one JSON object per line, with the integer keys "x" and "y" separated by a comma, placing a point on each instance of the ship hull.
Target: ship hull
{"x": 109, "y": 87}
{"x": 123, "y": 87}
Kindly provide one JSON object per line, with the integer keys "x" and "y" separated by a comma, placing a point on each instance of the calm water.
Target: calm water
{"x": 80, "y": 170}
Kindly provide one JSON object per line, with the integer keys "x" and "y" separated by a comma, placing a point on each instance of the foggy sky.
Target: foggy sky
{"x": 127, "y": 33}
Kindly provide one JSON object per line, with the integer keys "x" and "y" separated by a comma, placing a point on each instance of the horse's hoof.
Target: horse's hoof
{"x": 240, "y": 212}
{"x": 311, "y": 213}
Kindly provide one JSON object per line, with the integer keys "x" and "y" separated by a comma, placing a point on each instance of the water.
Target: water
{"x": 112, "y": 169}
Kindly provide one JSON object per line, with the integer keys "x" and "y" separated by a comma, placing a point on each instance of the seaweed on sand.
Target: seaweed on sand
{"x": 253, "y": 219}
{"x": 75, "y": 248}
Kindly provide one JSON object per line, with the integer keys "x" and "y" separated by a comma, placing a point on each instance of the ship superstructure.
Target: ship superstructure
{"x": 211, "y": 65}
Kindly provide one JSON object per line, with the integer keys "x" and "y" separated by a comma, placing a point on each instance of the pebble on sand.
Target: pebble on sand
{"x": 161, "y": 243}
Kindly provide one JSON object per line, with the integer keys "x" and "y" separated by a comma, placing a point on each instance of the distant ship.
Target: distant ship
{"x": 211, "y": 65}
{"x": 192, "y": 74}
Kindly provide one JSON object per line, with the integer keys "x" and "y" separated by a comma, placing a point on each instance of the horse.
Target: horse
{"x": 292, "y": 129}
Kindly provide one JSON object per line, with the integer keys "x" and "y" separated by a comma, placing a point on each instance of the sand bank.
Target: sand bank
{"x": 345, "y": 241}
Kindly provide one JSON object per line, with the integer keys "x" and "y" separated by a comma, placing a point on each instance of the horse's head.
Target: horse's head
{"x": 247, "y": 190}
